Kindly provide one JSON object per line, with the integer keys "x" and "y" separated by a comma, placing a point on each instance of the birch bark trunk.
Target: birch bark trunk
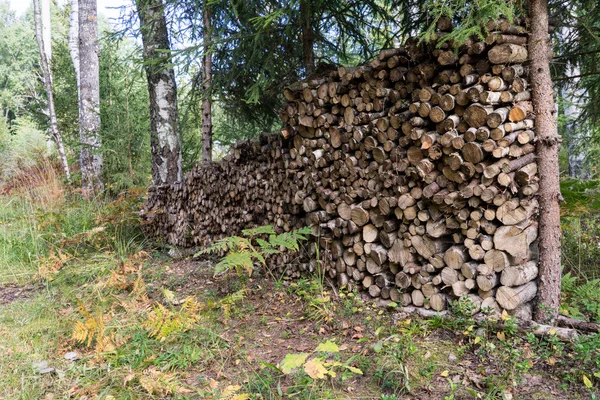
{"x": 164, "y": 136}
{"x": 74, "y": 39}
{"x": 89, "y": 100}
{"x": 547, "y": 152}
{"x": 47, "y": 76}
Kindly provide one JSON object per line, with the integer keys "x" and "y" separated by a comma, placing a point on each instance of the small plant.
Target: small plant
{"x": 580, "y": 298}
{"x": 94, "y": 330}
{"x": 462, "y": 310}
{"x": 244, "y": 251}
{"x": 163, "y": 322}
{"x": 317, "y": 367}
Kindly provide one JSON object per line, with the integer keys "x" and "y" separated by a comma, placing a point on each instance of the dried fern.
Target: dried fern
{"x": 93, "y": 329}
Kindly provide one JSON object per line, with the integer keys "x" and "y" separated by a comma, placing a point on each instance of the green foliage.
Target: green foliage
{"x": 579, "y": 246}
{"x": 124, "y": 111}
{"x": 22, "y": 149}
{"x": 256, "y": 49}
{"x": 244, "y": 251}
{"x": 163, "y": 322}
{"x": 580, "y": 195}
{"x": 580, "y": 298}
{"x": 470, "y": 18}
{"x": 18, "y": 60}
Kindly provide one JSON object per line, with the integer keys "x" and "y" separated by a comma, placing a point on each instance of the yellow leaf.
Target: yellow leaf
{"x": 552, "y": 331}
{"x": 292, "y": 361}
{"x": 169, "y": 295}
{"x": 587, "y": 382}
{"x": 504, "y": 316}
{"x": 315, "y": 368}
{"x": 477, "y": 340}
{"x": 501, "y": 335}
{"x": 230, "y": 390}
{"x": 328, "y": 347}
{"x": 444, "y": 374}
{"x": 551, "y": 361}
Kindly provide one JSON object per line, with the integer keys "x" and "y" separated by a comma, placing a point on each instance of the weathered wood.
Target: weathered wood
{"x": 510, "y": 298}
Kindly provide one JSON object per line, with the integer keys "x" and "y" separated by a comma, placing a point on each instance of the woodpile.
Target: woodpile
{"x": 417, "y": 172}
{"x": 249, "y": 188}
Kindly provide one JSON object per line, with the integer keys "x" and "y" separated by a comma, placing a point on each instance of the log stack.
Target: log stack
{"x": 417, "y": 172}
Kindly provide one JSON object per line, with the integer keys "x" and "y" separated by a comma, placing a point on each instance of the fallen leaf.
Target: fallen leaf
{"x": 315, "y": 369}
{"x": 292, "y": 361}
{"x": 328, "y": 347}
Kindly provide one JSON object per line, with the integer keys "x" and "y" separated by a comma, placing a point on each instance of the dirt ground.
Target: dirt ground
{"x": 11, "y": 292}
{"x": 277, "y": 324}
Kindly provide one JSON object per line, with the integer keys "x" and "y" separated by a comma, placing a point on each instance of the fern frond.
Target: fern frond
{"x": 234, "y": 260}
{"x": 230, "y": 300}
{"x": 162, "y": 322}
{"x": 264, "y": 245}
{"x": 230, "y": 243}
{"x": 289, "y": 240}
{"x": 261, "y": 230}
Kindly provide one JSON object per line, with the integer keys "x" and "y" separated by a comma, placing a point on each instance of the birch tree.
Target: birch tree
{"x": 165, "y": 140}
{"x": 89, "y": 100}
{"x": 47, "y": 77}
{"x": 74, "y": 39}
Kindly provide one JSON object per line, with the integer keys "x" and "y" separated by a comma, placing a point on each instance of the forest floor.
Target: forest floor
{"x": 90, "y": 309}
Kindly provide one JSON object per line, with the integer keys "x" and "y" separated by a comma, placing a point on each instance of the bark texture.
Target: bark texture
{"x": 164, "y": 137}
{"x": 89, "y": 100}
{"x": 547, "y": 152}
{"x": 308, "y": 50}
{"x": 46, "y": 30}
{"x": 74, "y": 38}
{"x": 206, "y": 88}
{"x": 47, "y": 76}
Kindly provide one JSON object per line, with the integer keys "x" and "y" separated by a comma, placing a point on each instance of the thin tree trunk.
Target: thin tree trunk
{"x": 308, "y": 50}
{"x": 74, "y": 39}
{"x": 206, "y": 86}
{"x": 47, "y": 76}
{"x": 547, "y": 152}
{"x": 164, "y": 136}
{"x": 46, "y": 30}
{"x": 89, "y": 104}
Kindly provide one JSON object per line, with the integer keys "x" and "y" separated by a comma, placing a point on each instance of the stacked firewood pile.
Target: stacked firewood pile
{"x": 417, "y": 171}
{"x": 249, "y": 188}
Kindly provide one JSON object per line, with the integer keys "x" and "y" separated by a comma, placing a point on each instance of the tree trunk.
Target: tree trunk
{"x": 206, "y": 88}
{"x": 547, "y": 152}
{"x": 164, "y": 136}
{"x": 46, "y": 30}
{"x": 89, "y": 100}
{"x": 308, "y": 51}
{"x": 74, "y": 39}
{"x": 47, "y": 76}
